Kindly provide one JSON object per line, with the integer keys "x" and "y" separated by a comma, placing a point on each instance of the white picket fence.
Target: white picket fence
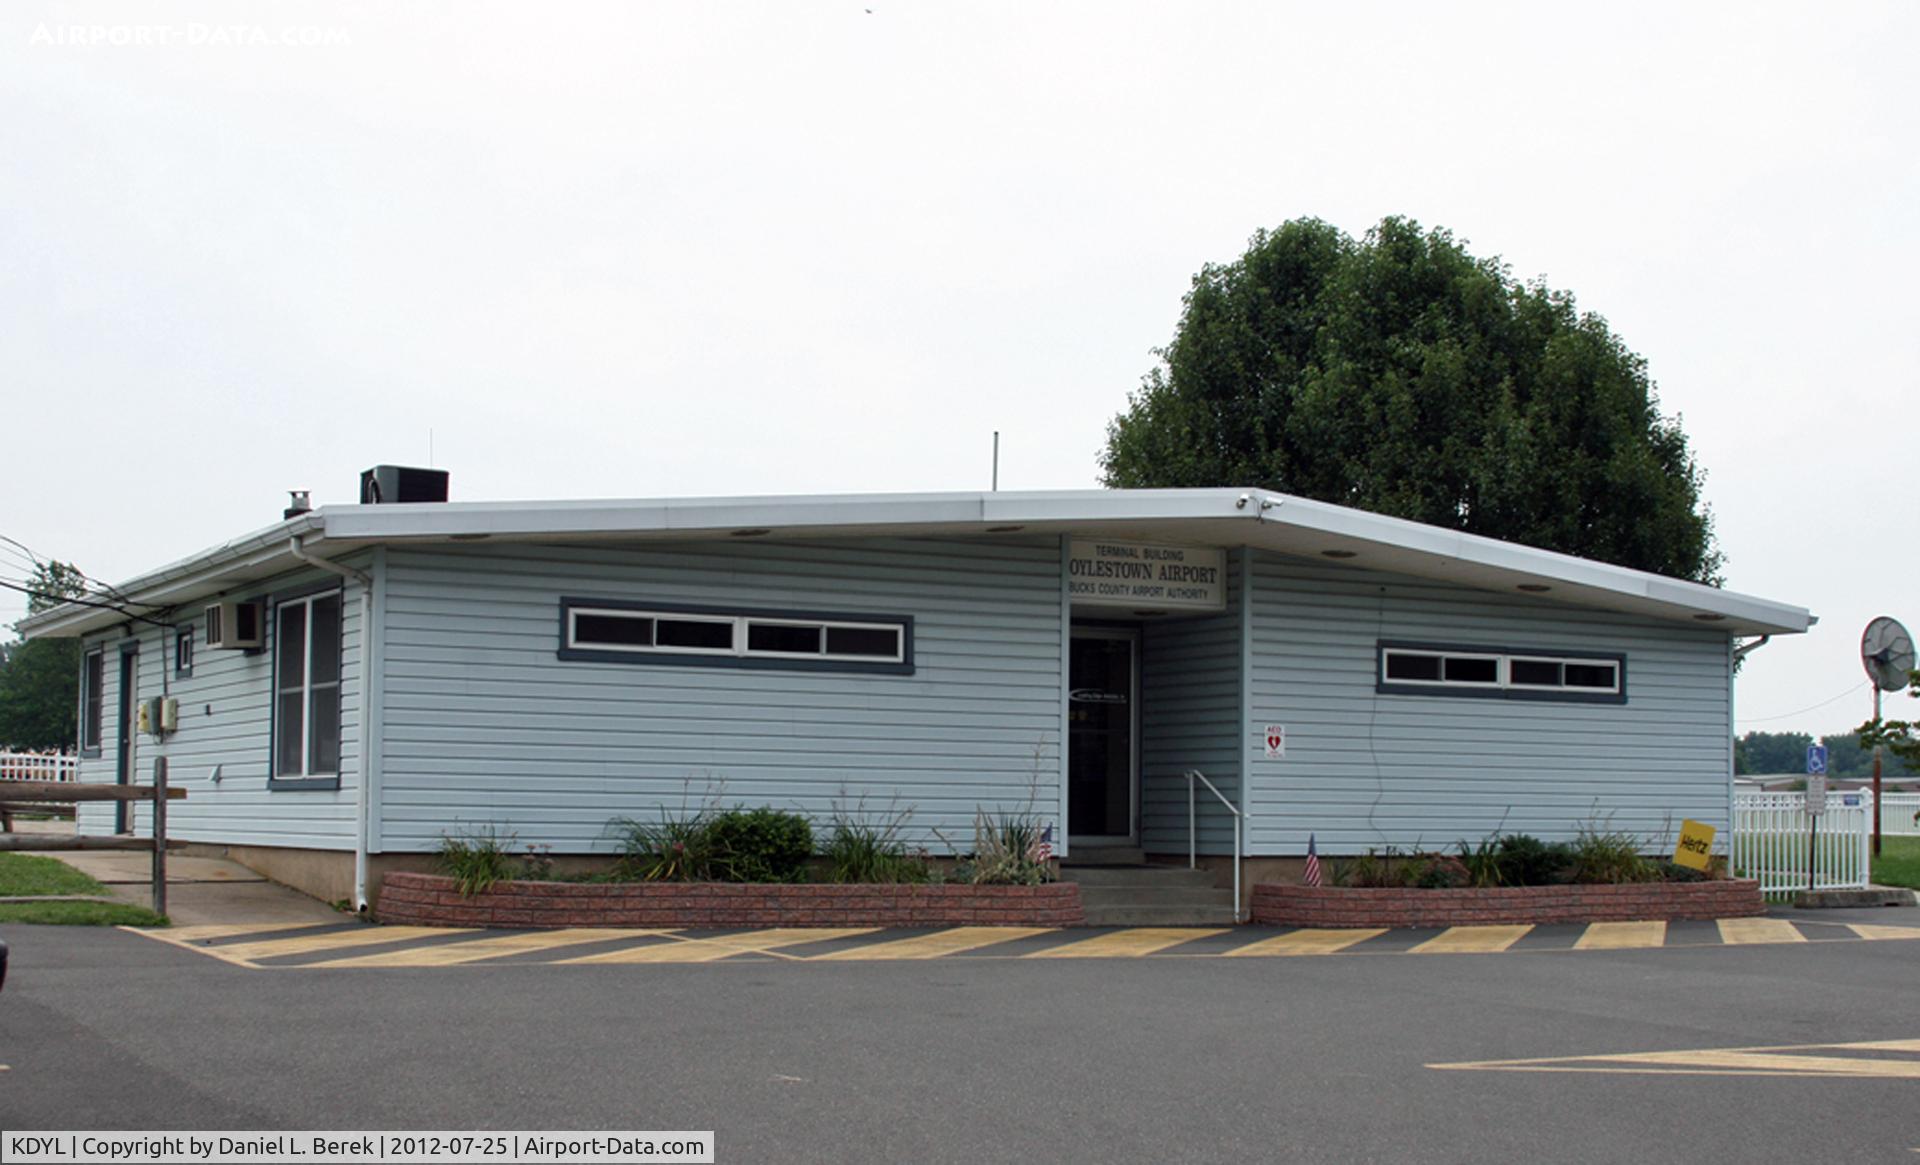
{"x": 32, "y": 766}
{"x": 1900, "y": 815}
{"x": 1770, "y": 841}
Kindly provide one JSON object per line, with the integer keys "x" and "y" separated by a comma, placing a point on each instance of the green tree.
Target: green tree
{"x": 1899, "y": 737}
{"x": 40, "y": 680}
{"x": 1401, "y": 374}
{"x": 1771, "y": 753}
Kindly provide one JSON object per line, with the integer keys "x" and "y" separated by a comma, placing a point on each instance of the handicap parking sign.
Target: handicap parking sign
{"x": 1816, "y": 759}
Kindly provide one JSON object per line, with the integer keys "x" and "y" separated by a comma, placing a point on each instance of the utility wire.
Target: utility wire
{"x": 1803, "y": 711}
{"x": 29, "y": 591}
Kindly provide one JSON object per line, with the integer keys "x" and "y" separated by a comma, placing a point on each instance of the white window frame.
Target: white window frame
{"x": 306, "y": 689}
{"x": 738, "y": 625}
{"x": 1503, "y": 681}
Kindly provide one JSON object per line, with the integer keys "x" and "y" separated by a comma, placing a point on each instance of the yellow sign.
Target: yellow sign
{"x": 1696, "y": 842}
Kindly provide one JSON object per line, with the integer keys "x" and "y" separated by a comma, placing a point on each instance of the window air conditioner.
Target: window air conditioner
{"x": 236, "y": 625}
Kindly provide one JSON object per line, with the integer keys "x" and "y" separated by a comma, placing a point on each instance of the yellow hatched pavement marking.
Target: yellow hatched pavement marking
{"x": 1464, "y": 940}
{"x": 1307, "y": 942}
{"x": 188, "y": 938}
{"x": 1616, "y": 936}
{"x": 933, "y": 946}
{"x": 218, "y": 930}
{"x": 707, "y": 950}
{"x": 477, "y": 950}
{"x": 337, "y": 941}
{"x": 1766, "y": 1061}
{"x": 1872, "y": 930}
{"x": 1746, "y": 931}
{"x": 1127, "y": 944}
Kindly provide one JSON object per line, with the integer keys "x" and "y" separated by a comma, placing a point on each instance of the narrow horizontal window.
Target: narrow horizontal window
{"x": 617, "y": 631}
{"x": 694, "y": 634}
{"x": 1421, "y": 669}
{"x": 719, "y": 637}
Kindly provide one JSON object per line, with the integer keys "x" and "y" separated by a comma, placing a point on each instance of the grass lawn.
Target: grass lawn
{"x": 25, "y": 874}
{"x": 80, "y": 914}
{"x": 1898, "y": 863}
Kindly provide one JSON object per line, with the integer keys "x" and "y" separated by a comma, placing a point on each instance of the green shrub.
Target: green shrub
{"x": 1383, "y": 869}
{"x": 476, "y": 859}
{"x": 673, "y": 849}
{"x": 1482, "y": 862}
{"x": 1609, "y": 856}
{"x": 759, "y": 845}
{"x": 1671, "y": 871}
{"x": 1525, "y": 860}
{"x": 863, "y": 849}
{"x": 1006, "y": 852}
{"x": 1441, "y": 872}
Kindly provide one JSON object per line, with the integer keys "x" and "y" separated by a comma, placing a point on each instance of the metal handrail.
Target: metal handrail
{"x": 1193, "y": 833}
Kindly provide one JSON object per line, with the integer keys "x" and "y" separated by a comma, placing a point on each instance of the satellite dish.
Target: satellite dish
{"x": 1887, "y": 652}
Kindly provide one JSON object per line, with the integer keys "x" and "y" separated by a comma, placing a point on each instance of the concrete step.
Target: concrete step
{"x": 1160, "y": 915}
{"x": 1093, "y": 896}
{"x": 1136, "y": 876}
{"x": 1106, "y": 855}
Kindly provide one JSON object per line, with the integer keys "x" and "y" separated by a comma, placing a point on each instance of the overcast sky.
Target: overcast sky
{"x": 638, "y": 250}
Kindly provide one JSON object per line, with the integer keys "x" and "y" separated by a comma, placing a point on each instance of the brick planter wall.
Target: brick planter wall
{"x": 431, "y": 900}
{"x": 1327, "y": 906}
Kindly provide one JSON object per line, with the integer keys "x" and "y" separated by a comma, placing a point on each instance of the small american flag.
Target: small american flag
{"x": 1312, "y": 875}
{"x": 1042, "y": 848}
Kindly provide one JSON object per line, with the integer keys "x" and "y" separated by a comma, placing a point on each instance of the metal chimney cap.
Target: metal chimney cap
{"x": 300, "y": 503}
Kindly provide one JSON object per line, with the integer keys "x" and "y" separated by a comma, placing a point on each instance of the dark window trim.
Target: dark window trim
{"x": 95, "y": 750}
{"x": 904, "y": 666}
{"x": 1387, "y": 687}
{"x": 272, "y": 651}
{"x": 187, "y": 634}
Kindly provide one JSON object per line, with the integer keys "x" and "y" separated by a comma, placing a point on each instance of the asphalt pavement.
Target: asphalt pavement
{"x": 1344, "y": 1058}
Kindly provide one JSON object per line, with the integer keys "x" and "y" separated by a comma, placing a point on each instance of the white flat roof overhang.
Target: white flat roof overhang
{"x": 1212, "y": 517}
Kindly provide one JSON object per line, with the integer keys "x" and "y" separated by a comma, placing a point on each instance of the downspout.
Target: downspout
{"x": 363, "y": 799}
{"x": 1734, "y": 656}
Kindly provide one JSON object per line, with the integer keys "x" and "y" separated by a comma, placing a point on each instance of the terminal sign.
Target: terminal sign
{"x": 1136, "y": 575}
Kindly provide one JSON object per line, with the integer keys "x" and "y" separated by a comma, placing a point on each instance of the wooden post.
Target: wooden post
{"x": 160, "y": 835}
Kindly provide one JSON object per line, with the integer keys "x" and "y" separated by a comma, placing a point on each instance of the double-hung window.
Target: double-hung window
{"x": 622, "y": 632}
{"x": 306, "y": 689}
{"x": 93, "y": 679}
{"x": 1425, "y": 669}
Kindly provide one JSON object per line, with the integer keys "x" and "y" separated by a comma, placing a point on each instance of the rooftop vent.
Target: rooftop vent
{"x": 385, "y": 484}
{"x": 300, "y": 502}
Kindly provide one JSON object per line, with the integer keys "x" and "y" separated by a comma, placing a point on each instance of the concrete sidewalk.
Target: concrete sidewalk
{"x": 200, "y": 890}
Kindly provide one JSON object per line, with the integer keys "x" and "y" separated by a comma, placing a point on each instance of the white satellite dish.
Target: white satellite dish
{"x": 1886, "y": 651}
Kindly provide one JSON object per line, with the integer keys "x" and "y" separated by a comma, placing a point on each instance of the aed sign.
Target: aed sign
{"x": 1696, "y": 842}
{"x": 1136, "y": 575}
{"x": 1276, "y": 737}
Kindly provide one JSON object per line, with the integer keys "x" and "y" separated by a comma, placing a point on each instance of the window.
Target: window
{"x": 306, "y": 689}
{"x": 610, "y": 631}
{"x": 93, "y": 675}
{"x": 183, "y": 651}
{"x": 1432, "y": 670}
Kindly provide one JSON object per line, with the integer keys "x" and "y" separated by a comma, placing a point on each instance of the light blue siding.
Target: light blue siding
{"x": 483, "y": 725}
{"x": 1189, "y": 717}
{"x": 226, "y": 723}
{"x": 1367, "y": 770}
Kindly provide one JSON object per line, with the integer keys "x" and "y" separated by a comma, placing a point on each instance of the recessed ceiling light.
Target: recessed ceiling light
{"x": 755, "y": 533}
{"x": 1535, "y": 588}
{"x": 1711, "y": 618}
{"x": 1003, "y": 529}
{"x": 1337, "y": 554}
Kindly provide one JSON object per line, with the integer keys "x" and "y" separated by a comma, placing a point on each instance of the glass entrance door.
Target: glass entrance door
{"x": 1102, "y": 723}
